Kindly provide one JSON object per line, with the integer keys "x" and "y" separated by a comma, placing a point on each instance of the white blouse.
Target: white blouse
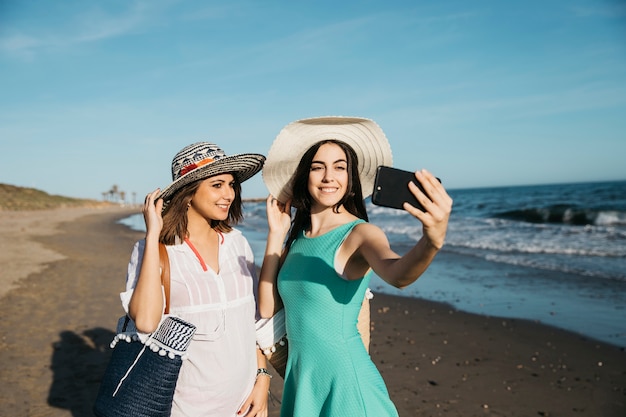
{"x": 220, "y": 368}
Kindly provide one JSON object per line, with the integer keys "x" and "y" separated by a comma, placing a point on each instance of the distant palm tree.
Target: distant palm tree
{"x": 114, "y": 194}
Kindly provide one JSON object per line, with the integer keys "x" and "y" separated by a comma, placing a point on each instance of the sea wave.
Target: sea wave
{"x": 566, "y": 214}
{"x": 591, "y": 251}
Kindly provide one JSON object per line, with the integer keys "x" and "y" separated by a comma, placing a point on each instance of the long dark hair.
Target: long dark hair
{"x": 352, "y": 200}
{"x": 175, "y": 213}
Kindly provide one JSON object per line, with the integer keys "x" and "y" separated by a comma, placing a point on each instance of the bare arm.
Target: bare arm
{"x": 146, "y": 304}
{"x": 396, "y": 270}
{"x": 279, "y": 222}
{"x": 402, "y": 271}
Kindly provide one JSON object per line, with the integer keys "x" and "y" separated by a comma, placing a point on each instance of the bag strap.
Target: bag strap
{"x": 164, "y": 263}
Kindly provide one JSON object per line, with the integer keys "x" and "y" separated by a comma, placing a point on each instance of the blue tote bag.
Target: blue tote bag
{"x": 141, "y": 377}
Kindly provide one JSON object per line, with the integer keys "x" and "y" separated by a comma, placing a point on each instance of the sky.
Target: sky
{"x": 482, "y": 93}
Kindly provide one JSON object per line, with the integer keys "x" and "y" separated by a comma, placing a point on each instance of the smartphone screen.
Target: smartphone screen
{"x": 391, "y": 188}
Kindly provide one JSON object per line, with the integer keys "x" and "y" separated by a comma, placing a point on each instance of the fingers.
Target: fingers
{"x": 437, "y": 207}
{"x": 149, "y": 204}
{"x": 245, "y": 408}
{"x": 151, "y": 197}
{"x": 250, "y": 409}
{"x": 434, "y": 199}
{"x": 273, "y": 203}
{"x": 433, "y": 189}
{"x": 159, "y": 205}
{"x": 432, "y": 186}
{"x": 422, "y": 193}
{"x": 152, "y": 212}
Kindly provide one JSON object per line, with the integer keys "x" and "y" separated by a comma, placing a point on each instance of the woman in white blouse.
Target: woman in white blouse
{"x": 213, "y": 282}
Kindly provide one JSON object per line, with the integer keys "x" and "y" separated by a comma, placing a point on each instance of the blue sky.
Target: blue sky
{"x": 482, "y": 93}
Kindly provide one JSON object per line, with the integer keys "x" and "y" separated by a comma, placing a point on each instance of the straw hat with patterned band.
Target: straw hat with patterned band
{"x": 203, "y": 160}
{"x": 363, "y": 135}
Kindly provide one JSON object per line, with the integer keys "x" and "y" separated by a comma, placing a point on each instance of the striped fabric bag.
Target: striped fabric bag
{"x": 141, "y": 376}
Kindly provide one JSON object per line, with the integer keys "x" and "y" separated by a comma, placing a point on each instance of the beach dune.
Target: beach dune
{"x": 62, "y": 271}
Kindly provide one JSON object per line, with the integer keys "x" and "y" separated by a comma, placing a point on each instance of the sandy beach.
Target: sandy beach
{"x": 62, "y": 271}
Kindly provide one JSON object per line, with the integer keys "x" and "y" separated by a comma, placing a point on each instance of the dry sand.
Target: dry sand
{"x": 62, "y": 271}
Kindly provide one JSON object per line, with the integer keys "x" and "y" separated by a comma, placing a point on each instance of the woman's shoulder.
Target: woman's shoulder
{"x": 234, "y": 233}
{"x": 365, "y": 230}
{"x": 353, "y": 224}
{"x": 236, "y": 243}
{"x": 234, "y": 236}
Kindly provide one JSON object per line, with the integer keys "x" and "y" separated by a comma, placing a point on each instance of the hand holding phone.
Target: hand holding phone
{"x": 391, "y": 188}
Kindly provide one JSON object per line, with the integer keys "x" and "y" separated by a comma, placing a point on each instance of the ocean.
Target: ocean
{"x": 554, "y": 254}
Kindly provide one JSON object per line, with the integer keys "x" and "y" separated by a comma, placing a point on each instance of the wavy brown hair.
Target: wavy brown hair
{"x": 175, "y": 213}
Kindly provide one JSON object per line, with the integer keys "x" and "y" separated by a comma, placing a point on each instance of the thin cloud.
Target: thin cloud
{"x": 92, "y": 25}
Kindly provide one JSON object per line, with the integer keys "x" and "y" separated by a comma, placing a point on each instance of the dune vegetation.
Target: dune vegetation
{"x": 16, "y": 198}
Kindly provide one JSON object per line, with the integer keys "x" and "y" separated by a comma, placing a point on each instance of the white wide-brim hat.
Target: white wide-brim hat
{"x": 202, "y": 160}
{"x": 364, "y": 136}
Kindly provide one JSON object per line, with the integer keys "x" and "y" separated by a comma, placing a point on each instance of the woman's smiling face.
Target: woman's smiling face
{"x": 214, "y": 196}
{"x": 328, "y": 175}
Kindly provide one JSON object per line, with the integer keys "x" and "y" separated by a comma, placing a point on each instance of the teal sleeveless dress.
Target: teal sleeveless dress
{"x": 329, "y": 372}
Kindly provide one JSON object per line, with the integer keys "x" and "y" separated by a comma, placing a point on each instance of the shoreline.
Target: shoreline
{"x": 590, "y": 308}
{"x": 60, "y": 318}
{"x": 477, "y": 285}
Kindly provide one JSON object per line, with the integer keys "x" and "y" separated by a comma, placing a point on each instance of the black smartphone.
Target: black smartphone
{"x": 391, "y": 188}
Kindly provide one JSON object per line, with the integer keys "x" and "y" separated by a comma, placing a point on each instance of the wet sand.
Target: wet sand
{"x": 62, "y": 271}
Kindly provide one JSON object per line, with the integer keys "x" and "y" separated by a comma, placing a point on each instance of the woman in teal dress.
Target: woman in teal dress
{"x": 320, "y": 275}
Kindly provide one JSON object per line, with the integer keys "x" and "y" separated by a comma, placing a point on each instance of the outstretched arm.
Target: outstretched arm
{"x": 279, "y": 222}
{"x": 402, "y": 271}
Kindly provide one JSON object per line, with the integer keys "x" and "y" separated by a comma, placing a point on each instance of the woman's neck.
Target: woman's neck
{"x": 200, "y": 228}
{"x": 324, "y": 220}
